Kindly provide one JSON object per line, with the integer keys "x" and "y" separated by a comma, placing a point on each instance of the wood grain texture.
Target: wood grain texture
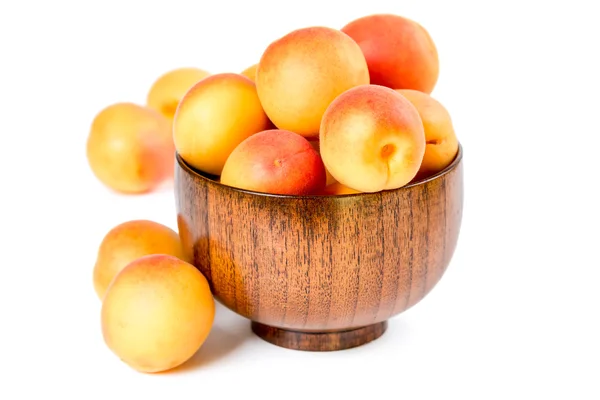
{"x": 319, "y": 341}
{"x": 320, "y": 263}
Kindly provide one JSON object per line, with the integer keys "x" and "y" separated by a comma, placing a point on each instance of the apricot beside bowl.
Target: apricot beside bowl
{"x": 320, "y": 273}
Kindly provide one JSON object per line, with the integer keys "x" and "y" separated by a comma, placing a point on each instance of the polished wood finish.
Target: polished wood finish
{"x": 319, "y": 341}
{"x": 319, "y": 264}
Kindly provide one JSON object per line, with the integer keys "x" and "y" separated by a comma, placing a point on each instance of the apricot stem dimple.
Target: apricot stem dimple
{"x": 278, "y": 163}
{"x": 387, "y": 151}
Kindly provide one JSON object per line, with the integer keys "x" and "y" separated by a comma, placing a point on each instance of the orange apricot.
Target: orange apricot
{"x": 168, "y": 90}
{"x": 372, "y": 139}
{"x": 301, "y": 73}
{"x": 440, "y": 137}
{"x": 275, "y": 161}
{"x": 157, "y": 313}
{"x": 216, "y": 115}
{"x": 400, "y": 52}
{"x": 130, "y": 148}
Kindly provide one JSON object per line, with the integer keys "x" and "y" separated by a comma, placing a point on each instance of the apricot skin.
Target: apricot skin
{"x": 157, "y": 313}
{"x": 277, "y": 162}
{"x": 400, "y": 52}
{"x": 372, "y": 139}
{"x": 330, "y": 179}
{"x": 441, "y": 141}
{"x": 299, "y": 74}
{"x": 168, "y": 90}
{"x": 128, "y": 241}
{"x": 130, "y": 148}
{"x": 250, "y": 72}
{"x": 337, "y": 189}
{"x": 216, "y": 115}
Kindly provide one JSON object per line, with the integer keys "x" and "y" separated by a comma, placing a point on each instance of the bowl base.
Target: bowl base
{"x": 319, "y": 341}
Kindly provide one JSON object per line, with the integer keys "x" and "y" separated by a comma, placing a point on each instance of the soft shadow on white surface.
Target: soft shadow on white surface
{"x": 228, "y": 333}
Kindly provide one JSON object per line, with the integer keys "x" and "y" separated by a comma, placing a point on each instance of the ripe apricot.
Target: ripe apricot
{"x": 168, "y": 90}
{"x": 315, "y": 144}
{"x": 250, "y": 72}
{"x": 400, "y": 52}
{"x": 337, "y": 188}
{"x": 157, "y": 313}
{"x": 275, "y": 161}
{"x": 130, "y": 148}
{"x": 300, "y": 74}
{"x": 441, "y": 141}
{"x": 216, "y": 115}
{"x": 128, "y": 241}
{"x": 372, "y": 139}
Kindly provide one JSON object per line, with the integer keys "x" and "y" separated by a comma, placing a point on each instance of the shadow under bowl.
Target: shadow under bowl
{"x": 320, "y": 273}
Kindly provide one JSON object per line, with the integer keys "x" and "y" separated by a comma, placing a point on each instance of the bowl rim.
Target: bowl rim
{"x": 206, "y": 177}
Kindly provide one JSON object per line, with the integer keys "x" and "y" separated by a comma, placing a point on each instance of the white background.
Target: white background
{"x": 517, "y": 314}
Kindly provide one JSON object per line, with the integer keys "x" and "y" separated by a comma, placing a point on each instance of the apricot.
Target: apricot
{"x": 299, "y": 74}
{"x": 372, "y": 139}
{"x": 330, "y": 179}
{"x": 250, "y": 72}
{"x": 157, "y": 313}
{"x": 129, "y": 241}
{"x": 441, "y": 143}
{"x": 337, "y": 188}
{"x": 216, "y": 115}
{"x": 130, "y": 148}
{"x": 168, "y": 90}
{"x": 400, "y": 52}
{"x": 275, "y": 161}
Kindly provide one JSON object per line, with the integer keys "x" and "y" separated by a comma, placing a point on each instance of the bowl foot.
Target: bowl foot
{"x": 319, "y": 341}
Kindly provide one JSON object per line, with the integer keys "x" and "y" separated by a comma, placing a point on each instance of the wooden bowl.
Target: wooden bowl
{"x": 320, "y": 273}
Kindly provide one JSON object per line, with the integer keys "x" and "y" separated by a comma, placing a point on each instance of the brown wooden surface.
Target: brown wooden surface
{"x": 319, "y": 341}
{"x": 320, "y": 263}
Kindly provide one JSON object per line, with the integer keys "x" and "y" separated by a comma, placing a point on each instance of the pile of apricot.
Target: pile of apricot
{"x": 324, "y": 111}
